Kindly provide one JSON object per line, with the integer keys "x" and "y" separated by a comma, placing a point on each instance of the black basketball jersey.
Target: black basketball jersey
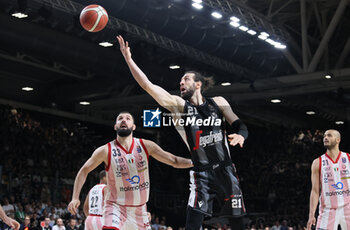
{"x": 206, "y": 135}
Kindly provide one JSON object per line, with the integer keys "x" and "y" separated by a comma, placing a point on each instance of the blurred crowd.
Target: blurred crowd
{"x": 41, "y": 154}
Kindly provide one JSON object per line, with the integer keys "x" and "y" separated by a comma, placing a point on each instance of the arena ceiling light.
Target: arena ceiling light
{"x": 197, "y": 6}
{"x": 234, "y": 24}
{"x": 243, "y": 28}
{"x": 216, "y": 15}
{"x": 328, "y": 76}
{"x": 339, "y": 122}
{"x": 251, "y": 32}
{"x": 84, "y": 103}
{"x": 280, "y": 46}
{"x": 174, "y": 67}
{"x": 27, "y": 89}
{"x": 275, "y": 101}
{"x": 225, "y": 83}
{"x": 19, "y": 15}
{"x": 310, "y": 113}
{"x": 234, "y": 19}
{"x": 105, "y": 44}
{"x": 197, "y": 1}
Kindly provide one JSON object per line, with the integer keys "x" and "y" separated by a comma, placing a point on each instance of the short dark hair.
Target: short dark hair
{"x": 127, "y": 113}
{"x": 102, "y": 174}
{"x": 207, "y": 82}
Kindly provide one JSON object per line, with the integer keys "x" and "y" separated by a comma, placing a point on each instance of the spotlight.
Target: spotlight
{"x": 234, "y": 24}
{"x": 197, "y": 6}
{"x": 105, "y": 44}
{"x": 275, "y": 101}
{"x": 243, "y": 28}
{"x": 216, "y": 15}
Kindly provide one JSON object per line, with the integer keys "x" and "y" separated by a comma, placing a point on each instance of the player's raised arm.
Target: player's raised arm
{"x": 241, "y": 129}
{"x": 315, "y": 192}
{"x": 100, "y": 155}
{"x": 165, "y": 157}
{"x": 164, "y": 98}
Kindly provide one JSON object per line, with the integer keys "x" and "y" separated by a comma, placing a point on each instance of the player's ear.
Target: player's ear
{"x": 115, "y": 126}
{"x": 198, "y": 84}
{"x": 133, "y": 127}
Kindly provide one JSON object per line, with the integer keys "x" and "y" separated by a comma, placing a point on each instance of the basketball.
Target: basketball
{"x": 93, "y": 18}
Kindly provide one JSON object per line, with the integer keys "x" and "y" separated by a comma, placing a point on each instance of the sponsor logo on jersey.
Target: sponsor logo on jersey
{"x": 343, "y": 166}
{"x": 344, "y": 172}
{"x": 200, "y": 203}
{"x": 338, "y": 185}
{"x": 343, "y": 160}
{"x": 325, "y": 180}
{"x": 327, "y": 175}
{"x": 207, "y": 140}
{"x": 142, "y": 186}
{"x": 133, "y": 180}
{"x": 339, "y": 193}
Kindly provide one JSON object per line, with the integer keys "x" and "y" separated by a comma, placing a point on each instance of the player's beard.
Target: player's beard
{"x": 330, "y": 145}
{"x": 189, "y": 93}
{"x": 124, "y": 132}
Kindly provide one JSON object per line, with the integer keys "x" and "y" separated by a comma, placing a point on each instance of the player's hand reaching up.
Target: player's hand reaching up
{"x": 73, "y": 206}
{"x": 311, "y": 221}
{"x": 235, "y": 139}
{"x": 124, "y": 47}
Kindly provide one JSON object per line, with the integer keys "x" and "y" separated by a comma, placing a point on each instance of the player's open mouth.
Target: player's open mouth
{"x": 123, "y": 126}
{"x": 182, "y": 89}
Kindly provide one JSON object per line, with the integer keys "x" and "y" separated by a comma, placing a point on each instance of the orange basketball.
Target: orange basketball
{"x": 93, "y": 18}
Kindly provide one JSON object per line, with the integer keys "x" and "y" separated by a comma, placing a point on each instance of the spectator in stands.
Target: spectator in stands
{"x": 20, "y": 215}
{"x": 47, "y": 224}
{"x": 26, "y": 224}
{"x": 59, "y": 225}
{"x": 72, "y": 225}
{"x": 8, "y": 208}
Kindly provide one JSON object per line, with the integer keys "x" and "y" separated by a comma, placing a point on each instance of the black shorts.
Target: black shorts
{"x": 216, "y": 191}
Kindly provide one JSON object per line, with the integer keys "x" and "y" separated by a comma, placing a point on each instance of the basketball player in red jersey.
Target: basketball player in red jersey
{"x": 331, "y": 186}
{"x": 7, "y": 220}
{"x": 203, "y": 130}
{"x": 128, "y": 183}
{"x": 94, "y": 202}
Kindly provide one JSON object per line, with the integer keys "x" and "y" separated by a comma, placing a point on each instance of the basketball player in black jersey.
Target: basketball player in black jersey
{"x": 213, "y": 177}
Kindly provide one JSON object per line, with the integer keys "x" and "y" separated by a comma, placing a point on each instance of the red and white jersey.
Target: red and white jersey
{"x": 127, "y": 174}
{"x": 96, "y": 199}
{"x": 334, "y": 180}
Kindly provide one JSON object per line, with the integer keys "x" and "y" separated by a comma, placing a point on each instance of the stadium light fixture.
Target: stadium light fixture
{"x": 105, "y": 44}
{"x": 27, "y": 89}
{"x": 19, "y": 15}
{"x": 197, "y": 6}
{"x": 84, "y": 103}
{"x": 310, "y": 113}
{"x": 275, "y": 101}
{"x": 225, "y": 83}
{"x": 174, "y": 67}
{"x": 216, "y": 15}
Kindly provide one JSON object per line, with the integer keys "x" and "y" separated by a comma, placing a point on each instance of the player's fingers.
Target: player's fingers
{"x": 231, "y": 135}
{"x": 234, "y": 142}
{"x": 127, "y": 44}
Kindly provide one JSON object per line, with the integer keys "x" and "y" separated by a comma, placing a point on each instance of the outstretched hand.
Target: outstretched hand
{"x": 124, "y": 47}
{"x": 73, "y": 206}
{"x": 235, "y": 139}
